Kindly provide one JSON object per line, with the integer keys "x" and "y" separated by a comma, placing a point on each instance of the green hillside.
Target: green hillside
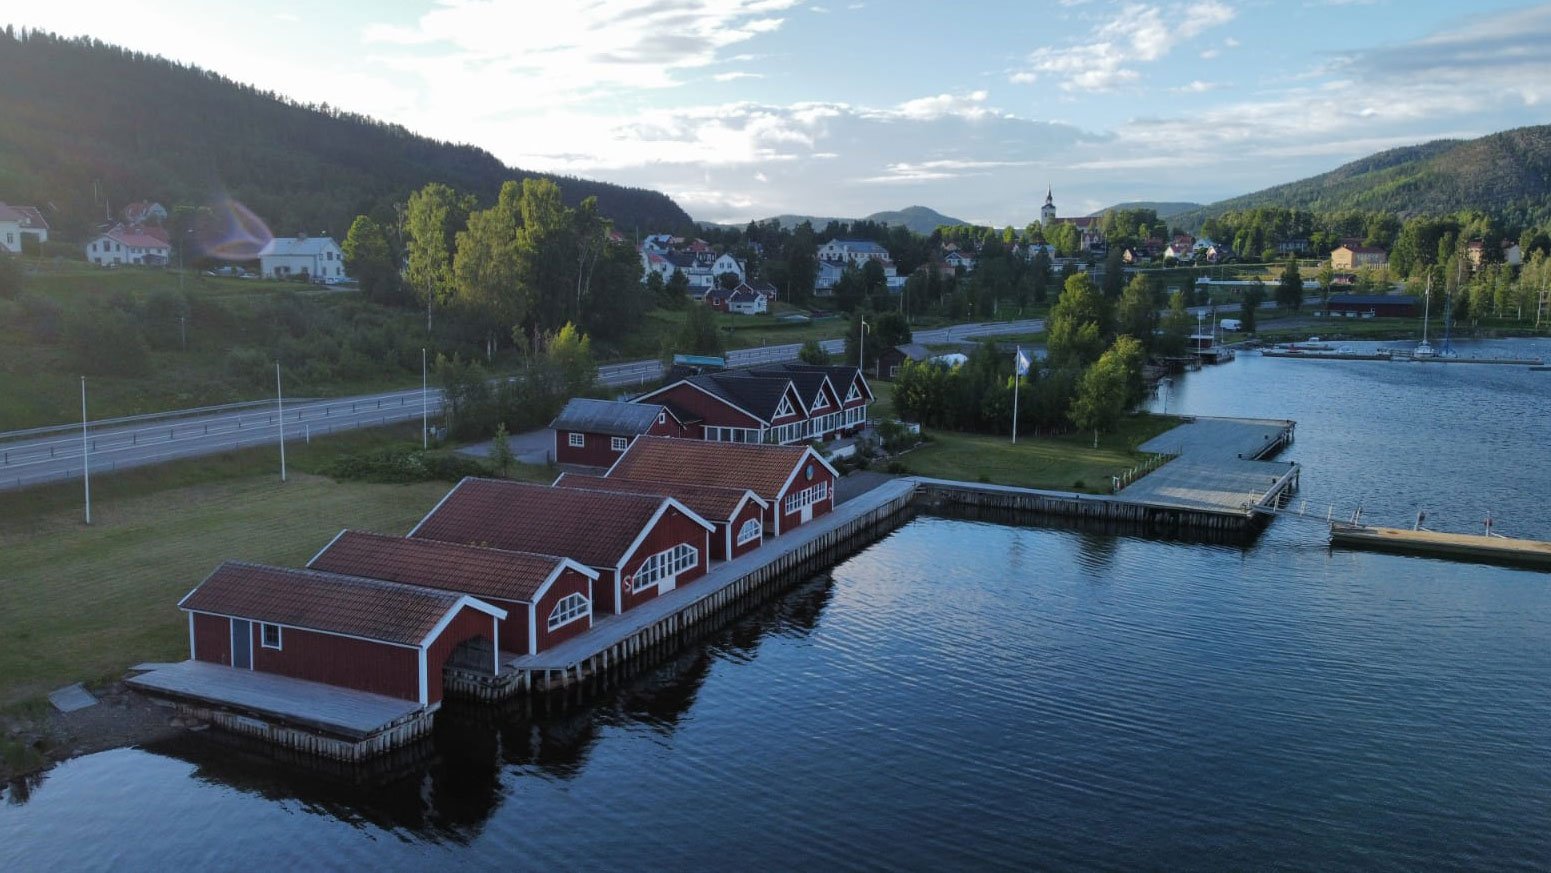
{"x": 1164, "y": 208}
{"x": 918, "y": 219}
{"x": 1507, "y": 173}
{"x": 88, "y": 124}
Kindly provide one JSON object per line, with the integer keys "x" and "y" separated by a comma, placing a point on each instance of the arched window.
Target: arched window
{"x": 749, "y": 532}
{"x": 570, "y": 608}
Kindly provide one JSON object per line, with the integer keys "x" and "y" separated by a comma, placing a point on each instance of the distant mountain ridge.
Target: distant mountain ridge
{"x": 1509, "y": 171}
{"x": 89, "y": 127}
{"x": 919, "y": 219}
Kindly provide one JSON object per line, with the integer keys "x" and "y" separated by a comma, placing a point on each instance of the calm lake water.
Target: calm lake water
{"x": 965, "y": 694}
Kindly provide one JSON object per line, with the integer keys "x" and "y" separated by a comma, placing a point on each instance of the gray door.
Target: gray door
{"x": 242, "y": 644}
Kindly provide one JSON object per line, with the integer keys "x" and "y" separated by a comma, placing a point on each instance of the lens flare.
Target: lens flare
{"x": 233, "y": 232}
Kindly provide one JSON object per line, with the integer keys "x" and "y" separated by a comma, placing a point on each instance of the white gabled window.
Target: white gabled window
{"x": 619, "y": 444}
{"x": 749, "y": 532}
{"x": 784, "y": 409}
{"x": 576, "y": 440}
{"x": 854, "y": 394}
{"x": 820, "y": 402}
{"x": 269, "y": 636}
{"x": 570, "y": 608}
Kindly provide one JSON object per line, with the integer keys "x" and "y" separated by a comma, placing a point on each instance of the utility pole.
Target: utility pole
{"x": 86, "y": 469}
{"x": 861, "y": 348}
{"x": 280, "y": 418}
{"x": 425, "y": 406}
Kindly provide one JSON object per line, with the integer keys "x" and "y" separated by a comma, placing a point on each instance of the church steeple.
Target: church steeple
{"x": 1050, "y": 199}
{"x": 1047, "y": 213}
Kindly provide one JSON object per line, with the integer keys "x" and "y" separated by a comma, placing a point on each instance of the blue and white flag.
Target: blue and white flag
{"x": 1021, "y": 363}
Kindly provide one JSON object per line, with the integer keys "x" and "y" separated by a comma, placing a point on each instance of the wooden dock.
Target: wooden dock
{"x": 312, "y": 717}
{"x": 1437, "y": 544}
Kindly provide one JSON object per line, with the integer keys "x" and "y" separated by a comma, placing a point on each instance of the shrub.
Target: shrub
{"x": 898, "y": 467}
{"x": 405, "y": 465}
{"x": 104, "y": 342}
{"x": 42, "y": 318}
{"x": 11, "y": 277}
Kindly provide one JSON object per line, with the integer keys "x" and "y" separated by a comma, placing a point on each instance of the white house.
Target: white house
{"x": 957, "y": 258}
{"x": 317, "y": 257}
{"x": 127, "y": 245}
{"x": 856, "y": 251}
{"x": 826, "y": 277}
{"x": 726, "y": 263}
{"x": 19, "y": 221}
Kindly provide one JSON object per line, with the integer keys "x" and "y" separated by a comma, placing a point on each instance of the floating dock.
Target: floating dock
{"x": 1396, "y": 356}
{"x": 1462, "y": 547}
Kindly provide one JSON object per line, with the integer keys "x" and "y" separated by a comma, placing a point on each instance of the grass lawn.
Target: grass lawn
{"x": 83, "y": 603}
{"x": 1065, "y": 463}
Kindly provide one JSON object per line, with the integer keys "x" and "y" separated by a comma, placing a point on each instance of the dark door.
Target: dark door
{"x": 242, "y": 644}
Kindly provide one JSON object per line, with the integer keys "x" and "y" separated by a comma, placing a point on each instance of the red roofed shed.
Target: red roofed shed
{"x": 736, "y": 512}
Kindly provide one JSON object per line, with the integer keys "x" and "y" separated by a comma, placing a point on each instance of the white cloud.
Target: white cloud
{"x": 1105, "y": 59}
{"x": 1196, "y": 87}
{"x": 736, "y": 75}
{"x": 1209, "y": 54}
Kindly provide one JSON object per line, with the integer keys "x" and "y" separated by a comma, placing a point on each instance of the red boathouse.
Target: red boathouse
{"x": 640, "y": 545}
{"x": 366, "y": 634}
{"x": 737, "y": 513}
{"x": 548, "y": 599}
{"x": 594, "y": 433}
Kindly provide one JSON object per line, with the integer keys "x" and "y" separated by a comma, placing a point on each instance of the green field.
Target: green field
{"x": 82, "y": 603}
{"x": 1064, "y": 463}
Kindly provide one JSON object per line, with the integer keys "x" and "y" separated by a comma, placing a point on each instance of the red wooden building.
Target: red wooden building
{"x": 366, "y": 634}
{"x": 640, "y": 545}
{"x": 547, "y": 599}
{"x": 795, "y": 481}
{"x": 593, "y": 433}
{"x": 737, "y": 513}
{"x": 773, "y": 403}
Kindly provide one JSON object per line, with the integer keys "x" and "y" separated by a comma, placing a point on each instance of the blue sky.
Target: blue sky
{"x": 742, "y": 109}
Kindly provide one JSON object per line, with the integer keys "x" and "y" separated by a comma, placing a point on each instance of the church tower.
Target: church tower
{"x": 1047, "y": 213}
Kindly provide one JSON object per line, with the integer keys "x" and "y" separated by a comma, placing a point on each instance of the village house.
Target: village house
{"x": 1089, "y": 237}
{"x": 741, "y": 300}
{"x": 891, "y": 359}
{"x": 365, "y": 634}
{"x": 547, "y": 598}
{"x": 128, "y": 245}
{"x": 795, "y": 482}
{"x": 856, "y": 252}
{"x": 775, "y": 403}
{"x": 957, "y": 259}
{"x": 737, "y": 513}
{"x": 1350, "y": 257}
{"x": 1509, "y": 253}
{"x": 594, "y": 433}
{"x": 640, "y": 545}
{"x": 827, "y": 276}
{"x": 317, "y": 257}
{"x": 17, "y": 222}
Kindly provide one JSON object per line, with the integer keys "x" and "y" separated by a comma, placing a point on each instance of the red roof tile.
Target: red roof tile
{"x": 709, "y": 502}
{"x": 367, "y": 608}
{"x": 496, "y": 573}
{"x": 592, "y": 527}
{"x": 763, "y": 469}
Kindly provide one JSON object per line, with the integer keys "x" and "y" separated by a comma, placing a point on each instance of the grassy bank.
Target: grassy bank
{"x": 1064, "y": 463}
{"x": 82, "y": 603}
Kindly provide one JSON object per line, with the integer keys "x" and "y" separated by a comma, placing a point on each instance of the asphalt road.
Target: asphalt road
{"x": 45, "y": 454}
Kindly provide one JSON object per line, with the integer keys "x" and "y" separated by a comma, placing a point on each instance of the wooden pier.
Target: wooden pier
{"x": 1437, "y": 544}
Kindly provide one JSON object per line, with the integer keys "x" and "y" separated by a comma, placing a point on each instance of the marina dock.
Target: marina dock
{"x": 1437, "y": 544}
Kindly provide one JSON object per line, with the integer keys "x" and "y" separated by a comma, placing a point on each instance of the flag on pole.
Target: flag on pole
{"x": 1021, "y": 363}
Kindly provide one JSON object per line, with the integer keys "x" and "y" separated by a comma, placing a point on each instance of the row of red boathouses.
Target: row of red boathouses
{"x": 501, "y": 569}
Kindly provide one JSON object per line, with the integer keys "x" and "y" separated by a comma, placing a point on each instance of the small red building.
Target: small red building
{"x": 593, "y": 433}
{"x": 548, "y": 599}
{"x": 367, "y": 634}
{"x": 737, "y": 513}
{"x": 795, "y": 481}
{"x": 640, "y": 545}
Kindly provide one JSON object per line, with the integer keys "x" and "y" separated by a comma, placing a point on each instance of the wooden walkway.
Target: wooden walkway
{"x": 1217, "y": 465}
{"x": 610, "y": 630}
{"x": 339, "y": 711}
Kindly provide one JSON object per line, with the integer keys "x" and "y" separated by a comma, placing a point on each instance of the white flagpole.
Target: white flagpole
{"x": 86, "y": 465}
{"x": 1017, "y": 353}
{"x": 280, "y": 417}
{"x": 425, "y": 413}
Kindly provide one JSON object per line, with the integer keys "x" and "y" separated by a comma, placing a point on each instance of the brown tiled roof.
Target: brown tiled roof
{"x": 497, "y": 573}
{"x": 368, "y": 608}
{"x": 592, "y": 527}
{"x": 760, "y": 468}
{"x": 709, "y": 502}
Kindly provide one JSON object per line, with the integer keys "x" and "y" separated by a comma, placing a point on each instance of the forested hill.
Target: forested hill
{"x": 1164, "y": 208}
{"x": 1507, "y": 173}
{"x": 85, "y": 122}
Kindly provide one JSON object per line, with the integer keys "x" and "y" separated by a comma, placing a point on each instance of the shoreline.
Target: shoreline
{"x": 34, "y": 742}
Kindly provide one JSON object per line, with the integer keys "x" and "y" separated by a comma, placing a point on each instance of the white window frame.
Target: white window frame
{"x": 785, "y": 408}
{"x": 666, "y": 564}
{"x": 576, "y": 440}
{"x": 570, "y": 608}
{"x": 821, "y": 402}
{"x": 749, "y": 532}
{"x": 815, "y": 493}
{"x": 618, "y": 444}
{"x": 264, "y": 629}
{"x": 854, "y": 394}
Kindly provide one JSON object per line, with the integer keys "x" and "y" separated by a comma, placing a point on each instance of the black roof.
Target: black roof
{"x": 1373, "y": 299}
{"x": 613, "y": 417}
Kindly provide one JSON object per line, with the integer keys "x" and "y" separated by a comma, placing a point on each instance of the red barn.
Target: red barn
{"x": 593, "y": 433}
{"x": 641, "y": 545}
{"x": 736, "y": 512}
{"x": 366, "y": 634}
{"x": 795, "y": 481}
{"x": 548, "y": 599}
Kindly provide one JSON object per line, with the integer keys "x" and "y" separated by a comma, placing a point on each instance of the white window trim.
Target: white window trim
{"x": 853, "y": 394}
{"x": 576, "y": 440}
{"x": 749, "y": 532}
{"x": 618, "y": 444}
{"x": 571, "y": 608}
{"x": 784, "y": 409}
{"x": 821, "y": 402}
{"x": 815, "y": 493}
{"x": 664, "y": 565}
{"x": 264, "y": 636}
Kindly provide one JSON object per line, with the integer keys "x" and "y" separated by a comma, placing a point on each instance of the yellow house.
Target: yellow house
{"x": 1349, "y": 258}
